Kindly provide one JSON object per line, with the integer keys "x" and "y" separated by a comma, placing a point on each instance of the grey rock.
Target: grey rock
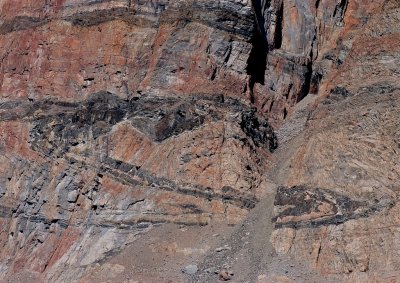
{"x": 190, "y": 269}
{"x": 73, "y": 196}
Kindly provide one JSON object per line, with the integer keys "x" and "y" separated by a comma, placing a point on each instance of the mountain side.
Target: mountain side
{"x": 256, "y": 138}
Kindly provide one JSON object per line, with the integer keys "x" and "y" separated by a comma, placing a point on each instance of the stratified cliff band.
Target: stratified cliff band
{"x": 199, "y": 140}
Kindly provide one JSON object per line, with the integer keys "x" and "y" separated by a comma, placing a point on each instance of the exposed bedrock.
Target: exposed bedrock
{"x": 335, "y": 216}
{"x": 270, "y": 52}
{"x": 338, "y": 211}
{"x": 108, "y": 169}
{"x": 118, "y": 116}
{"x": 342, "y": 222}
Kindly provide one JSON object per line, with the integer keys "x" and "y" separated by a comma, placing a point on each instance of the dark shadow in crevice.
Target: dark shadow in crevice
{"x": 317, "y": 4}
{"x": 279, "y": 28}
{"x": 257, "y": 62}
{"x": 340, "y": 10}
{"x": 305, "y": 90}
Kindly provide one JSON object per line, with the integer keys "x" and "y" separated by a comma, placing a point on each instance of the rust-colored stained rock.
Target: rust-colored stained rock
{"x": 119, "y": 116}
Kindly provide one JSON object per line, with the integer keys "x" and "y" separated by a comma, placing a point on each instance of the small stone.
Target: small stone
{"x": 190, "y": 269}
{"x": 225, "y": 275}
{"x": 72, "y": 196}
{"x": 224, "y": 248}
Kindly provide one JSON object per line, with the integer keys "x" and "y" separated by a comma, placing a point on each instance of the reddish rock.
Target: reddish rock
{"x": 118, "y": 116}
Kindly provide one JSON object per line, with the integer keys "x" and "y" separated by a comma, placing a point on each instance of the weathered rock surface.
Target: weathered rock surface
{"x": 347, "y": 158}
{"x": 118, "y": 117}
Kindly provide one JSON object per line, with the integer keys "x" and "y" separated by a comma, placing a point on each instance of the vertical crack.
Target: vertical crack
{"x": 257, "y": 62}
{"x": 279, "y": 28}
{"x": 317, "y": 4}
{"x": 340, "y": 11}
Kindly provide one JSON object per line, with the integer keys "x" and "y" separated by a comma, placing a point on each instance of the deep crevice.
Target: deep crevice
{"x": 305, "y": 90}
{"x": 311, "y": 83}
{"x": 317, "y": 4}
{"x": 257, "y": 62}
{"x": 340, "y": 10}
{"x": 279, "y": 28}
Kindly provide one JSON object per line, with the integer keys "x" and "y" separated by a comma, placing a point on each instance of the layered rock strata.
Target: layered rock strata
{"x": 119, "y": 116}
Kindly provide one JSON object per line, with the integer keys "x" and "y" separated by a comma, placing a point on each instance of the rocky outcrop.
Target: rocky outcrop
{"x": 298, "y": 207}
{"x": 117, "y": 117}
{"x": 342, "y": 222}
{"x": 109, "y": 168}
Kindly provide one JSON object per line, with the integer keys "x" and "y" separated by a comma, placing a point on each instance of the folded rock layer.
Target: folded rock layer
{"x": 121, "y": 117}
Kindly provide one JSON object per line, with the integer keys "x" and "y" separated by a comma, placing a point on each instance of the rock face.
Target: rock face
{"x": 119, "y": 116}
{"x": 347, "y": 160}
